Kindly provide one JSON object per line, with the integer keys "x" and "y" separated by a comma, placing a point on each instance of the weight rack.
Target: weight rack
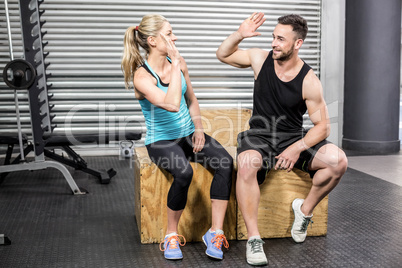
{"x": 40, "y": 111}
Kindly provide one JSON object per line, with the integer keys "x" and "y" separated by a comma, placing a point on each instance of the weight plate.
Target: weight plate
{"x": 19, "y": 74}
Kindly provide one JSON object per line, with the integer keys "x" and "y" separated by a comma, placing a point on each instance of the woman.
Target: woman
{"x": 174, "y": 130}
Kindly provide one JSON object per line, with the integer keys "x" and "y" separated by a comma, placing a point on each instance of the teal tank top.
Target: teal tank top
{"x": 162, "y": 124}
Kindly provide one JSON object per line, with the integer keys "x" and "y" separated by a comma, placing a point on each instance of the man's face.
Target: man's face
{"x": 283, "y": 43}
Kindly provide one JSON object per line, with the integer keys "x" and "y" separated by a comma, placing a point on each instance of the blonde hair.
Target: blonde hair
{"x": 133, "y": 38}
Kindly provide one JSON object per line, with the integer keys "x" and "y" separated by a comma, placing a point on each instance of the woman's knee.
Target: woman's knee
{"x": 224, "y": 166}
{"x": 183, "y": 177}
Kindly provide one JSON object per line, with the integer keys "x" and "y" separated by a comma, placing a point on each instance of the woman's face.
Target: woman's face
{"x": 166, "y": 30}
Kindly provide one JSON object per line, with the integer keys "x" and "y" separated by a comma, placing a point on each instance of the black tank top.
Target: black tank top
{"x": 278, "y": 106}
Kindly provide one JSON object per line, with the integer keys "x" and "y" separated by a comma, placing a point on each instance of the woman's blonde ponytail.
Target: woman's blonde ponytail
{"x": 136, "y": 37}
{"x": 131, "y": 57}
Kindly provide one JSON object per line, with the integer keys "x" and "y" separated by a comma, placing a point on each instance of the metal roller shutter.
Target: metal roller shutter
{"x": 85, "y": 43}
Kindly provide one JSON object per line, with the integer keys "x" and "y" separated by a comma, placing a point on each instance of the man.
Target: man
{"x": 285, "y": 88}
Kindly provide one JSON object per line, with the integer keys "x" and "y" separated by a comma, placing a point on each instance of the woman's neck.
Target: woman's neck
{"x": 159, "y": 63}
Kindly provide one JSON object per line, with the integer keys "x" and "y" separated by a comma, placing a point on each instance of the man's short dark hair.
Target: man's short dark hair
{"x": 298, "y": 23}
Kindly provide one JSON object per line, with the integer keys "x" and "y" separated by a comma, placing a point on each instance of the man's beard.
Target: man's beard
{"x": 284, "y": 56}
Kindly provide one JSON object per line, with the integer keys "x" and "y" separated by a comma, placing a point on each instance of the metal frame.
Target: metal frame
{"x": 38, "y": 99}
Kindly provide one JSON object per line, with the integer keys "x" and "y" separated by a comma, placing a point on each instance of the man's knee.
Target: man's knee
{"x": 342, "y": 164}
{"x": 330, "y": 156}
{"x": 248, "y": 164}
{"x": 337, "y": 162}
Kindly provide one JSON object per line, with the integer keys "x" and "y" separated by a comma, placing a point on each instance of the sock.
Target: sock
{"x": 217, "y": 231}
{"x": 171, "y": 234}
{"x": 254, "y": 237}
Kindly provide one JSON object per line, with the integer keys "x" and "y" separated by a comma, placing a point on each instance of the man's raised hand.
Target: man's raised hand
{"x": 250, "y": 25}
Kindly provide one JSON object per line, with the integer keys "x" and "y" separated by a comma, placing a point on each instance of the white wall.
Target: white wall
{"x": 333, "y": 62}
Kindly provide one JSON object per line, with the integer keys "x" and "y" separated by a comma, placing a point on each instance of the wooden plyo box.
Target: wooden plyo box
{"x": 152, "y": 185}
{"x": 151, "y": 209}
{"x": 275, "y": 214}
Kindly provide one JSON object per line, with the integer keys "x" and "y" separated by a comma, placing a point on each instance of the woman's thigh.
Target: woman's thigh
{"x": 214, "y": 154}
{"x": 168, "y": 155}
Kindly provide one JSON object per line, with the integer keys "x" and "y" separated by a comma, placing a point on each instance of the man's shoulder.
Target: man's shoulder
{"x": 311, "y": 78}
{"x": 258, "y": 56}
{"x": 312, "y": 87}
{"x": 258, "y": 52}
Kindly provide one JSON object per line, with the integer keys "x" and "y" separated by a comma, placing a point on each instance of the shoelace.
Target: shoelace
{"x": 256, "y": 245}
{"x": 218, "y": 240}
{"x": 305, "y": 223}
{"x": 173, "y": 242}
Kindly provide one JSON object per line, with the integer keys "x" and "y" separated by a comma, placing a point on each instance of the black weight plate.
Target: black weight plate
{"x": 23, "y": 74}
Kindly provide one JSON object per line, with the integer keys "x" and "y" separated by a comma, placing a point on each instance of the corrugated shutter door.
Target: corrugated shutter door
{"x": 85, "y": 44}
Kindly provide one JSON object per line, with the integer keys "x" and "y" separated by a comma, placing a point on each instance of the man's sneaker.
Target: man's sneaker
{"x": 214, "y": 242}
{"x": 301, "y": 222}
{"x": 255, "y": 252}
{"x": 171, "y": 246}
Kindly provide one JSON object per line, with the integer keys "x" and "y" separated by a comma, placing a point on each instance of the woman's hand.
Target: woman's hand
{"x": 250, "y": 25}
{"x": 198, "y": 140}
{"x": 172, "y": 50}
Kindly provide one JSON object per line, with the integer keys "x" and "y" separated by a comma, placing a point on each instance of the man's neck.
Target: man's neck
{"x": 287, "y": 65}
{"x": 287, "y": 70}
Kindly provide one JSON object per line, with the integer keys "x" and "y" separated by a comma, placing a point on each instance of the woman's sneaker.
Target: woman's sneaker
{"x": 214, "y": 242}
{"x": 255, "y": 252}
{"x": 171, "y": 246}
{"x": 301, "y": 222}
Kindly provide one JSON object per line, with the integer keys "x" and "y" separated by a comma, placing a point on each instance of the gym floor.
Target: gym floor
{"x": 49, "y": 227}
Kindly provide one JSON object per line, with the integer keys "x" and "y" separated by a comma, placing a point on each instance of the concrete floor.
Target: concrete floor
{"x": 50, "y": 228}
{"x": 386, "y": 167}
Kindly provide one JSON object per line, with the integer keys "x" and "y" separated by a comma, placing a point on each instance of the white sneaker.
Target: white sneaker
{"x": 255, "y": 252}
{"x": 301, "y": 222}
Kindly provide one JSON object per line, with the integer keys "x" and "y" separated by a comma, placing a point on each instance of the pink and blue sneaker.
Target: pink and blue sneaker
{"x": 214, "y": 242}
{"x": 171, "y": 246}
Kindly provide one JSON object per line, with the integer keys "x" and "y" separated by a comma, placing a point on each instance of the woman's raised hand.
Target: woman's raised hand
{"x": 250, "y": 25}
{"x": 172, "y": 50}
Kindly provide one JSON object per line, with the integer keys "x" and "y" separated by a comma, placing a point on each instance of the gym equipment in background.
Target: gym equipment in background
{"x": 31, "y": 74}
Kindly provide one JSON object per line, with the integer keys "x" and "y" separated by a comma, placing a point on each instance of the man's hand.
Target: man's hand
{"x": 198, "y": 140}
{"x": 288, "y": 158}
{"x": 250, "y": 25}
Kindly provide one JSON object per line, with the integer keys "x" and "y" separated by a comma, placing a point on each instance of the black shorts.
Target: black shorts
{"x": 270, "y": 144}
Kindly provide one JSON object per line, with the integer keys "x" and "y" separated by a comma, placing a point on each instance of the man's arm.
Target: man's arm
{"x": 317, "y": 110}
{"x": 229, "y": 51}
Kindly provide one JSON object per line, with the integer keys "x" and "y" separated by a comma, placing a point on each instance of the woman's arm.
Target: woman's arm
{"x": 145, "y": 83}
{"x": 194, "y": 109}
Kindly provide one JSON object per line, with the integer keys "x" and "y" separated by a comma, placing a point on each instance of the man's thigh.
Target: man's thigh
{"x": 306, "y": 157}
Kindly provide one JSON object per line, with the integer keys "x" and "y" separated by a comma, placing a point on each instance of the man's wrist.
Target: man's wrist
{"x": 302, "y": 146}
{"x": 238, "y": 36}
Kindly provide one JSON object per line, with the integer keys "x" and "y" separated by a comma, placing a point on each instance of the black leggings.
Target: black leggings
{"x": 174, "y": 157}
